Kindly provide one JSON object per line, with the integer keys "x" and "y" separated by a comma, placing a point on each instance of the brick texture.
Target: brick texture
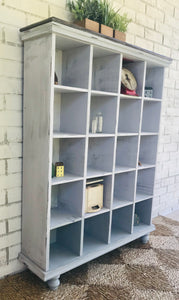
{"x": 155, "y": 26}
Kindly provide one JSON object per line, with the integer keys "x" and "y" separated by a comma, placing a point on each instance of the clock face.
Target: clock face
{"x": 128, "y": 79}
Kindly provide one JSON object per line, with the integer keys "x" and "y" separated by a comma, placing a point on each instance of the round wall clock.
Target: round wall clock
{"x": 128, "y": 80}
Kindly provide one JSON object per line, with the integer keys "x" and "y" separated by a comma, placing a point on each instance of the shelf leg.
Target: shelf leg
{"x": 145, "y": 239}
{"x": 54, "y": 283}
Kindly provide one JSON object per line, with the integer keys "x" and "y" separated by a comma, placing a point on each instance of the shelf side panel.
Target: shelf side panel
{"x": 37, "y": 81}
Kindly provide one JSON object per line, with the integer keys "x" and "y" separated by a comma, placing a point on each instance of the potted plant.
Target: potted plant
{"x": 85, "y": 13}
{"x": 91, "y": 13}
{"x": 120, "y": 23}
{"x": 107, "y": 15}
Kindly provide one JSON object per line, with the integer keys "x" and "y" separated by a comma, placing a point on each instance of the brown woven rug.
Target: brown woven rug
{"x": 136, "y": 271}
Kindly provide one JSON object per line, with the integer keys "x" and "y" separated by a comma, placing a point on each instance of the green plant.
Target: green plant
{"x": 82, "y": 9}
{"x": 120, "y": 22}
{"x": 100, "y": 11}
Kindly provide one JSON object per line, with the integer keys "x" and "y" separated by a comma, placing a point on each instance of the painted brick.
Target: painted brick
{"x": 14, "y": 252}
{"x": 130, "y": 12}
{"x": 10, "y": 52}
{"x": 34, "y": 7}
{"x": 12, "y": 35}
{"x": 153, "y": 35}
{"x": 10, "y": 68}
{"x": 14, "y": 194}
{"x": 13, "y": 102}
{"x": 2, "y": 167}
{"x": 10, "y": 239}
{"x": 2, "y": 134}
{"x": 13, "y": 267}
{"x": 3, "y": 257}
{"x": 137, "y": 5}
{"x": 163, "y": 28}
{"x": 145, "y": 20}
{"x": 10, "y": 151}
{"x": 2, "y": 197}
{"x": 11, "y": 181}
{"x": 171, "y": 21}
{"x": 2, "y": 102}
{"x": 176, "y": 14}
{"x": 10, "y": 85}
{"x": 165, "y": 7}
{"x": 154, "y": 13}
{"x": 130, "y": 38}
{"x": 14, "y": 165}
{"x": 33, "y": 19}
{"x": 61, "y": 13}
{"x": 14, "y": 134}
{"x": 2, "y": 228}
{"x": 10, "y": 118}
{"x": 143, "y": 43}
{"x": 14, "y": 224}
{"x": 136, "y": 29}
{"x": 10, "y": 211}
{"x": 12, "y": 17}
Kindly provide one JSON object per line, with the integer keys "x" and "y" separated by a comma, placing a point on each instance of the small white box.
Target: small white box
{"x": 94, "y": 198}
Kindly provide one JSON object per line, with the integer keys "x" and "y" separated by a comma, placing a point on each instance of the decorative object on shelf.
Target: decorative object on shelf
{"x": 99, "y": 16}
{"x": 139, "y": 163}
{"x": 129, "y": 83}
{"x": 136, "y": 219}
{"x": 99, "y": 118}
{"x": 88, "y": 24}
{"x": 94, "y": 195}
{"x": 55, "y": 78}
{"x": 120, "y": 24}
{"x": 59, "y": 169}
{"x": 94, "y": 125}
{"x": 106, "y": 30}
{"x": 148, "y": 92}
{"x": 53, "y": 170}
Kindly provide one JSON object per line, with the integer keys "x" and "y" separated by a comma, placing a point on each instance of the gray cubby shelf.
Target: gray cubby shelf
{"x": 121, "y": 223}
{"x": 57, "y": 234}
{"x": 129, "y": 115}
{"x": 154, "y": 80}
{"x": 143, "y": 210}
{"x": 151, "y": 116}
{"x": 107, "y": 107}
{"x": 126, "y": 153}
{"x": 66, "y": 203}
{"x": 145, "y": 184}
{"x": 124, "y": 186}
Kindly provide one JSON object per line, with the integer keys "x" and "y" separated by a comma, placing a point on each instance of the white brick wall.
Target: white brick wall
{"x": 155, "y": 26}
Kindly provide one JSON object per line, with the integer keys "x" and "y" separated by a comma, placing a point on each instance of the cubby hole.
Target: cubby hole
{"x": 105, "y": 72}
{"x": 70, "y": 110}
{"x": 70, "y": 151}
{"x": 145, "y": 184}
{"x": 72, "y": 63}
{"x": 100, "y": 156}
{"x": 129, "y": 116}
{"x": 66, "y": 203}
{"x": 126, "y": 153}
{"x": 137, "y": 69}
{"x": 106, "y": 106}
{"x": 124, "y": 186}
{"x": 121, "y": 223}
{"x": 148, "y": 151}
{"x": 65, "y": 245}
{"x": 143, "y": 212}
{"x": 151, "y": 116}
{"x": 107, "y": 195}
{"x": 154, "y": 80}
{"x": 96, "y": 233}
